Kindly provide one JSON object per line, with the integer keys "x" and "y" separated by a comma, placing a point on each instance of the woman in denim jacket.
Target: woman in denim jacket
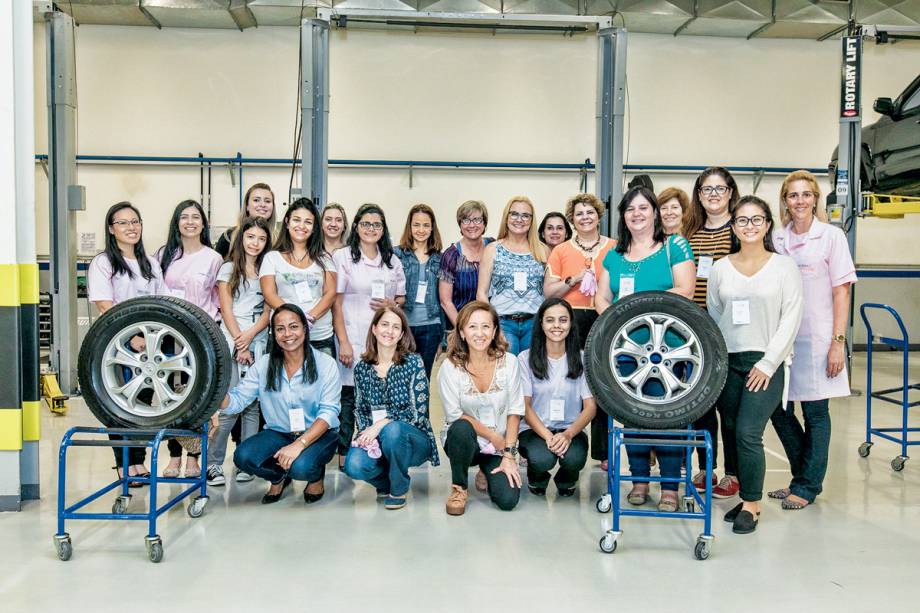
{"x": 419, "y": 251}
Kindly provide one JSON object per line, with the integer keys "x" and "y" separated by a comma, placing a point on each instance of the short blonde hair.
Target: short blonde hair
{"x": 471, "y": 206}
{"x": 800, "y": 175}
{"x": 589, "y": 199}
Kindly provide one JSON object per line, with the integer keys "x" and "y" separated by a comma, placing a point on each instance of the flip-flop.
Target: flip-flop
{"x": 780, "y": 494}
{"x": 791, "y": 505}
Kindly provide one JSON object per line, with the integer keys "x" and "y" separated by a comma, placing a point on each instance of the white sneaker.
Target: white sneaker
{"x": 216, "y": 475}
{"x": 242, "y": 477}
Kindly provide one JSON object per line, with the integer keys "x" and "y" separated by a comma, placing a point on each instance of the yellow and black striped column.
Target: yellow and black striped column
{"x": 31, "y": 384}
{"x": 10, "y": 398}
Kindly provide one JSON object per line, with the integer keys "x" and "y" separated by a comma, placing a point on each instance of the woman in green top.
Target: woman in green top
{"x": 645, "y": 259}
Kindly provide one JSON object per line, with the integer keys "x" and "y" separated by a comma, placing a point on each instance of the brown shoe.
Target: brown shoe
{"x": 456, "y": 502}
{"x": 481, "y": 483}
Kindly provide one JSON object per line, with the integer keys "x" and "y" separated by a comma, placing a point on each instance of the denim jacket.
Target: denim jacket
{"x": 410, "y": 267}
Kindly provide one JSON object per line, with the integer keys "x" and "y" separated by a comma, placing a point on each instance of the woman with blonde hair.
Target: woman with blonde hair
{"x": 511, "y": 273}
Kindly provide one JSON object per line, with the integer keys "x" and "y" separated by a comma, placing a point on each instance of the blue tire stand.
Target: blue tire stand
{"x": 902, "y": 345}
{"x": 151, "y": 439}
{"x": 696, "y": 507}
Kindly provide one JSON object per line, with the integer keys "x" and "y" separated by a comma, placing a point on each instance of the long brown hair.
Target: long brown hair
{"x": 695, "y": 218}
{"x": 404, "y": 347}
{"x": 458, "y": 352}
{"x": 434, "y": 240}
{"x": 244, "y": 212}
{"x": 237, "y": 254}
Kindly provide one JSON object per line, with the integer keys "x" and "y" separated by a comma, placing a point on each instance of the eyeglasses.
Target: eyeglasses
{"x": 709, "y": 190}
{"x": 124, "y": 225}
{"x": 371, "y": 225}
{"x": 521, "y": 216}
{"x": 802, "y": 196}
{"x": 471, "y": 221}
{"x": 756, "y": 221}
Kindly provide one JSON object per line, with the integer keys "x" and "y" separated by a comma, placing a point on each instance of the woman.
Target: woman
{"x": 819, "y": 370}
{"x": 645, "y": 259}
{"x": 244, "y": 321}
{"x": 511, "y": 273}
{"x": 558, "y": 404}
{"x": 334, "y": 223}
{"x": 298, "y": 389}
{"x": 673, "y": 202}
{"x": 121, "y": 272}
{"x": 707, "y": 225}
{"x": 370, "y": 276}
{"x": 419, "y": 251}
{"x": 189, "y": 268}
{"x": 483, "y": 402}
{"x": 755, "y": 295}
{"x": 299, "y": 271}
{"x": 260, "y": 202}
{"x": 391, "y": 410}
{"x": 554, "y": 230}
{"x": 459, "y": 273}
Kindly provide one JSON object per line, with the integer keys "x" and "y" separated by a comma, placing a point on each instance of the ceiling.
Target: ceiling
{"x": 815, "y": 19}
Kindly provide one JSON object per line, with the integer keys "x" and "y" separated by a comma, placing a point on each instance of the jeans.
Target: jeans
{"x": 462, "y": 449}
{"x": 427, "y": 341}
{"x": 669, "y": 461}
{"x": 744, "y": 418}
{"x": 256, "y": 454}
{"x": 347, "y": 419}
{"x": 517, "y": 333}
{"x": 806, "y": 447}
{"x": 327, "y": 346}
{"x": 403, "y": 446}
{"x": 540, "y": 460}
{"x": 249, "y": 420}
{"x": 710, "y": 423}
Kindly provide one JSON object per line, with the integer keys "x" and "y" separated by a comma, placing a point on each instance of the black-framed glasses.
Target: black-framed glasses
{"x": 472, "y": 221}
{"x": 756, "y": 221}
{"x": 371, "y": 225}
{"x": 124, "y": 225}
{"x": 709, "y": 190}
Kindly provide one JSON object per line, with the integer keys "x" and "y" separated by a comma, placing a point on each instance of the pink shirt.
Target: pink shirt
{"x": 102, "y": 286}
{"x": 194, "y": 278}
{"x": 824, "y": 261}
{"x": 356, "y": 280}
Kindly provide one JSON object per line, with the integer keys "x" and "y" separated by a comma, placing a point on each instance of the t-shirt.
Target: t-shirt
{"x": 714, "y": 243}
{"x": 568, "y": 260}
{"x": 301, "y": 286}
{"x": 651, "y": 273}
{"x": 555, "y": 387}
{"x": 103, "y": 286}
{"x": 193, "y": 277}
{"x": 248, "y": 302}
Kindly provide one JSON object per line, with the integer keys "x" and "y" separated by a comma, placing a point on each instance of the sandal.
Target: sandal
{"x": 794, "y": 505}
{"x": 131, "y": 484}
{"x": 780, "y": 494}
{"x": 638, "y": 495}
{"x": 668, "y": 501}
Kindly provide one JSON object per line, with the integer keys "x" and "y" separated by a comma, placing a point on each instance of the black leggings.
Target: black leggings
{"x": 462, "y": 449}
{"x": 175, "y": 449}
{"x": 540, "y": 460}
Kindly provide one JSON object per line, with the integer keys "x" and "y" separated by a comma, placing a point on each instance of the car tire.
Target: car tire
{"x": 655, "y": 360}
{"x": 177, "y": 381}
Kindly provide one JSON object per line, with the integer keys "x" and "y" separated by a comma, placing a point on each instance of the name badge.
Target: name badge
{"x": 304, "y": 293}
{"x": 298, "y": 423}
{"x": 378, "y": 414}
{"x": 177, "y": 293}
{"x": 487, "y": 416}
{"x": 557, "y": 409}
{"x": 627, "y": 286}
{"x": 704, "y": 267}
{"x": 741, "y": 312}
{"x": 378, "y": 289}
{"x": 420, "y": 293}
{"x": 520, "y": 281}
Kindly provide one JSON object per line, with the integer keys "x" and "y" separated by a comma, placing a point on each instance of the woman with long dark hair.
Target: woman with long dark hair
{"x": 121, "y": 272}
{"x": 259, "y": 201}
{"x": 298, "y": 390}
{"x": 558, "y": 404}
{"x": 299, "y": 271}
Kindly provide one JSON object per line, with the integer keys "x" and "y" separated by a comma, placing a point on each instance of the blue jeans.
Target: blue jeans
{"x": 669, "y": 461}
{"x": 256, "y": 454}
{"x": 403, "y": 446}
{"x": 806, "y": 446}
{"x": 517, "y": 333}
{"x": 427, "y": 341}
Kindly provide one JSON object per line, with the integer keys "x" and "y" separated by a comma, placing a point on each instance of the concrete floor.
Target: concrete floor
{"x": 856, "y": 549}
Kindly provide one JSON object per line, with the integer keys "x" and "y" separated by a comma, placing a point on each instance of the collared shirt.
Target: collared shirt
{"x": 319, "y": 400}
{"x": 193, "y": 277}
{"x": 104, "y": 285}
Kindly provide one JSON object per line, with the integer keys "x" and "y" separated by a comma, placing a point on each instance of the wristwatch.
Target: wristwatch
{"x": 840, "y": 338}
{"x": 568, "y": 281}
{"x": 302, "y": 442}
{"x": 512, "y": 450}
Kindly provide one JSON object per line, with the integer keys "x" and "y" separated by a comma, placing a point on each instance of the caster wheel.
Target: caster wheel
{"x": 864, "y": 450}
{"x": 63, "y": 548}
{"x": 603, "y": 504}
{"x": 196, "y": 509}
{"x": 608, "y": 544}
{"x": 897, "y": 464}
{"x": 701, "y": 550}
{"x": 154, "y": 549}
{"x": 120, "y": 506}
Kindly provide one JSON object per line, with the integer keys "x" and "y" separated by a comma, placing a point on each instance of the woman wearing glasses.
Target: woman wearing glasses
{"x": 755, "y": 296}
{"x": 512, "y": 271}
{"x": 459, "y": 272}
{"x": 819, "y": 370}
{"x": 708, "y": 228}
{"x": 369, "y": 276}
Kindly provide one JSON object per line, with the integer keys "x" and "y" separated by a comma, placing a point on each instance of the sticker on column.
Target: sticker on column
{"x": 627, "y": 286}
{"x": 741, "y": 312}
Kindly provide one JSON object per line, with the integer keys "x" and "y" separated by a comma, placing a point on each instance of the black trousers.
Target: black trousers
{"x": 540, "y": 460}
{"x": 462, "y": 450}
{"x": 347, "y": 419}
{"x": 710, "y": 423}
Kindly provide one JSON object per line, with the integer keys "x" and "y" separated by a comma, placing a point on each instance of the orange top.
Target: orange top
{"x": 568, "y": 260}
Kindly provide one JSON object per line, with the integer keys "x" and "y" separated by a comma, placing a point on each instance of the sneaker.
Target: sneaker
{"x": 216, "y": 475}
{"x": 727, "y": 488}
{"x": 242, "y": 477}
{"x": 456, "y": 502}
{"x": 699, "y": 481}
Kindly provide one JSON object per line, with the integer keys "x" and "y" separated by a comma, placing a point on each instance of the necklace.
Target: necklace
{"x": 589, "y": 248}
{"x": 301, "y": 258}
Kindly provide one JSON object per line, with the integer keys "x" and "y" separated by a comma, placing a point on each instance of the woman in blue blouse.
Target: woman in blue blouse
{"x": 391, "y": 410}
{"x": 298, "y": 389}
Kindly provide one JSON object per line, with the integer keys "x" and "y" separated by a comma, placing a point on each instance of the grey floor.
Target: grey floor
{"x": 857, "y": 549}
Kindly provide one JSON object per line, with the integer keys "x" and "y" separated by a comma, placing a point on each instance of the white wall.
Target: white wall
{"x": 693, "y": 100}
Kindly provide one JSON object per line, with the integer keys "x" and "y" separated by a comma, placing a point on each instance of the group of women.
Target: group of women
{"x": 335, "y": 329}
